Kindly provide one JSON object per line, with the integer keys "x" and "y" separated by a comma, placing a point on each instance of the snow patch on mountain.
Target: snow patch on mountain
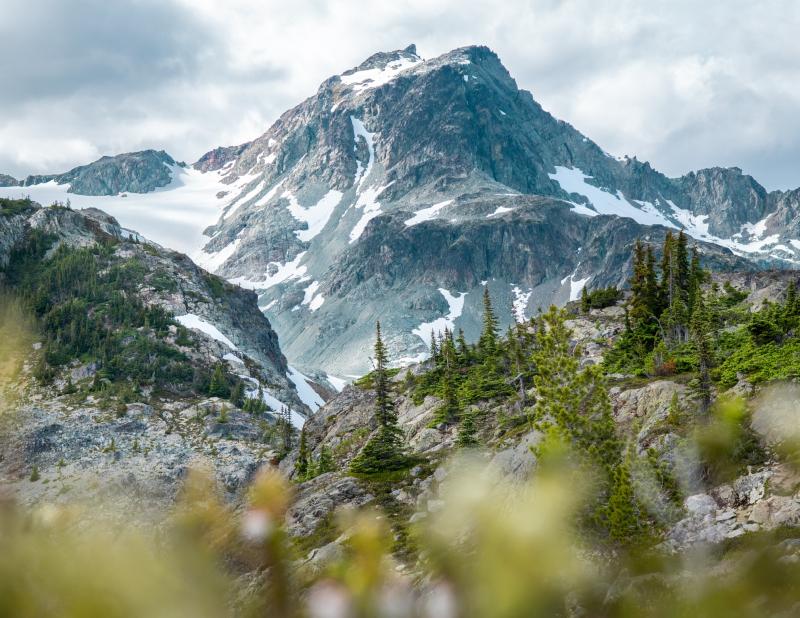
{"x": 369, "y": 203}
{"x": 311, "y": 298}
{"x": 436, "y": 327}
{"x": 305, "y": 391}
{"x": 573, "y": 180}
{"x": 360, "y": 131}
{"x": 195, "y": 322}
{"x": 316, "y": 216}
{"x": 426, "y": 214}
{"x": 212, "y": 261}
{"x": 520, "y": 302}
{"x": 283, "y": 272}
{"x": 499, "y": 211}
{"x": 575, "y": 286}
{"x": 373, "y": 78}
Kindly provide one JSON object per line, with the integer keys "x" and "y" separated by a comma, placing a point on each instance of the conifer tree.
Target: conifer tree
{"x": 384, "y": 451}
{"x": 584, "y": 300}
{"x": 790, "y": 305}
{"x": 624, "y": 518}
{"x": 651, "y": 281}
{"x": 467, "y": 431}
{"x": 487, "y": 343}
{"x": 575, "y": 400}
{"x": 217, "y": 387}
{"x": 682, "y": 265}
{"x": 463, "y": 348}
{"x": 434, "y": 348}
{"x": 447, "y": 412}
{"x": 668, "y": 271}
{"x": 696, "y": 277}
{"x": 237, "y": 394}
{"x": 702, "y": 342}
{"x": 301, "y": 465}
{"x": 325, "y": 461}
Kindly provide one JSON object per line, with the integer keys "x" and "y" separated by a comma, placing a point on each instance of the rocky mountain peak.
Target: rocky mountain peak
{"x": 382, "y": 60}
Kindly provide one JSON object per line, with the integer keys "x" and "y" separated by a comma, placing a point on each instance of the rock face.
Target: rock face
{"x": 135, "y": 172}
{"x": 8, "y": 181}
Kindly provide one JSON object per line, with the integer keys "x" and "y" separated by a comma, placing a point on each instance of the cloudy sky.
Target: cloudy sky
{"x": 682, "y": 84}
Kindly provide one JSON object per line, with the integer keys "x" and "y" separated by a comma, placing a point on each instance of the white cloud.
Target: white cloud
{"x": 682, "y": 84}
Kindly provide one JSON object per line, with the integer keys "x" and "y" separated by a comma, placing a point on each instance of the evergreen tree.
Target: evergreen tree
{"x": 325, "y": 461}
{"x": 651, "y": 283}
{"x": 301, "y": 465}
{"x": 447, "y": 412}
{"x": 237, "y": 394}
{"x": 585, "y": 300}
{"x": 682, "y": 266}
{"x": 434, "y": 348}
{"x": 696, "y": 278}
{"x": 467, "y": 431}
{"x": 790, "y": 305}
{"x": 463, "y": 348}
{"x": 639, "y": 304}
{"x": 702, "y": 342}
{"x": 218, "y": 387}
{"x": 668, "y": 270}
{"x": 384, "y": 451}
{"x": 572, "y": 399}
{"x": 624, "y": 517}
{"x": 487, "y": 343}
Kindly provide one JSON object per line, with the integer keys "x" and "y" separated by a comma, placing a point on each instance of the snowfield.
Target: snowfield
{"x": 173, "y": 216}
{"x": 190, "y": 320}
{"x": 437, "y": 326}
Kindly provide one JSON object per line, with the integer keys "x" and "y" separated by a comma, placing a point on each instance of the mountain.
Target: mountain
{"x": 135, "y": 172}
{"x": 404, "y": 185}
{"x": 8, "y": 181}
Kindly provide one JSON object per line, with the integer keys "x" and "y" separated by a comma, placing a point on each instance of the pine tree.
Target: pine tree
{"x": 448, "y": 411}
{"x": 384, "y": 451}
{"x": 702, "y": 341}
{"x": 218, "y": 387}
{"x": 487, "y": 343}
{"x": 572, "y": 399}
{"x": 624, "y": 518}
{"x": 301, "y": 465}
{"x": 790, "y": 305}
{"x": 237, "y": 394}
{"x": 668, "y": 271}
{"x": 584, "y": 300}
{"x": 463, "y": 349}
{"x": 467, "y": 431}
{"x": 639, "y": 305}
{"x": 696, "y": 278}
{"x": 682, "y": 266}
{"x": 325, "y": 461}
{"x": 434, "y": 348}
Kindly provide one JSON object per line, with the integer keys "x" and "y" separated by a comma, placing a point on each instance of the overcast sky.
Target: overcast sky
{"x": 684, "y": 85}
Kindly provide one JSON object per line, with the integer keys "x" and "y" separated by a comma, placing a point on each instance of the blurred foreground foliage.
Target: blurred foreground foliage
{"x": 495, "y": 549}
